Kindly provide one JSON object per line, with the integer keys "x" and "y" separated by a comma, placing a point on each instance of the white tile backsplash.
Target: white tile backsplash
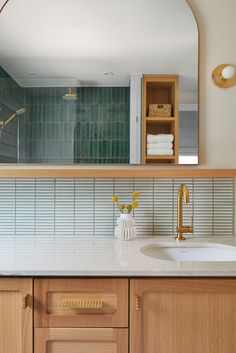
{"x": 163, "y": 213}
{"x": 203, "y": 206}
{"x": 68, "y": 208}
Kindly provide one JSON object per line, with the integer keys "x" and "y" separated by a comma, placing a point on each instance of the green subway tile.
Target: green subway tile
{"x": 94, "y": 129}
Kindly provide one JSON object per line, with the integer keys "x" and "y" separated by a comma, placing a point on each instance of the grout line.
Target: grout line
{"x": 35, "y": 204}
{"x": 234, "y": 206}
{"x": 54, "y": 208}
{"x": 74, "y": 206}
{"x": 15, "y": 208}
{"x": 113, "y": 206}
{"x": 173, "y": 206}
{"x": 193, "y": 204}
{"x": 153, "y": 208}
{"x": 213, "y": 206}
{"x": 94, "y": 213}
{"x": 133, "y": 183}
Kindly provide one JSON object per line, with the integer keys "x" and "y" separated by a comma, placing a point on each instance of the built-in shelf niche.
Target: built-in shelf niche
{"x": 160, "y": 89}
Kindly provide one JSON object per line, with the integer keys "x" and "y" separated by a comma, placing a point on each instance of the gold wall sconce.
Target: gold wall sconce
{"x": 224, "y": 76}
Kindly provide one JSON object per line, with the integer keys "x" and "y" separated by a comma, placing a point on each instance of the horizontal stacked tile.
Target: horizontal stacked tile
{"x": 81, "y": 208}
{"x": 7, "y": 208}
{"x": 203, "y": 206}
{"x": 223, "y": 204}
{"x": 65, "y": 207}
{"x": 84, "y": 207}
{"x": 103, "y": 212}
{"x": 144, "y": 215}
{"x": 163, "y": 206}
{"x": 44, "y": 208}
{"x": 25, "y": 207}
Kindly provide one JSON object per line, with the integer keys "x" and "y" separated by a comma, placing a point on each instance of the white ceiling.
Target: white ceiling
{"x": 72, "y": 42}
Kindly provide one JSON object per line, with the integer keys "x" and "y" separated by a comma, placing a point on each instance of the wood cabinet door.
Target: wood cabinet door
{"x": 16, "y": 327}
{"x": 84, "y": 340}
{"x": 81, "y": 302}
{"x": 183, "y": 316}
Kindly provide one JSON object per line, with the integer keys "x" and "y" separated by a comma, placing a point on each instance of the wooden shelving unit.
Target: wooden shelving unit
{"x": 160, "y": 89}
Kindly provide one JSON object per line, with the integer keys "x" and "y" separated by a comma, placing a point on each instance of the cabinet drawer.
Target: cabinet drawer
{"x": 90, "y": 302}
{"x": 87, "y": 340}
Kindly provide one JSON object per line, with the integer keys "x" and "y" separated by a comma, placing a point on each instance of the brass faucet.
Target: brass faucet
{"x": 183, "y": 192}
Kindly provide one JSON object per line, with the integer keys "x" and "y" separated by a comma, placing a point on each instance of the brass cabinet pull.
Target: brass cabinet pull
{"x": 82, "y": 303}
{"x": 25, "y": 301}
{"x": 137, "y": 302}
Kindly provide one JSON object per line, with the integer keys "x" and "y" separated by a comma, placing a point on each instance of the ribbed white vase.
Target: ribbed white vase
{"x": 125, "y": 229}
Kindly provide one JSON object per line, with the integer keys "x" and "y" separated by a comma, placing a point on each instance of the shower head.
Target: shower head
{"x": 3, "y": 123}
{"x": 13, "y": 116}
{"x": 20, "y": 111}
{"x": 71, "y": 95}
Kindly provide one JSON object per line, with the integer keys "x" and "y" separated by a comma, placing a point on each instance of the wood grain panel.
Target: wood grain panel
{"x": 50, "y": 294}
{"x": 183, "y": 316}
{"x": 16, "y": 331}
{"x": 61, "y": 340}
{"x": 114, "y": 172}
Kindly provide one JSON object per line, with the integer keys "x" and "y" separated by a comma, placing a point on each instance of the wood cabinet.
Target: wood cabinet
{"x": 84, "y": 340}
{"x": 90, "y": 315}
{"x": 87, "y": 315}
{"x": 81, "y": 302}
{"x": 16, "y": 326}
{"x": 183, "y": 316}
{"x": 159, "y": 90}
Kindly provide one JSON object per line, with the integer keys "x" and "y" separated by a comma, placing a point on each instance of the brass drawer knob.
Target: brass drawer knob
{"x": 26, "y": 301}
{"x": 137, "y": 302}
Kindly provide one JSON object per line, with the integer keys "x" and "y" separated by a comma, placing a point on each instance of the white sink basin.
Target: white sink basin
{"x": 193, "y": 252}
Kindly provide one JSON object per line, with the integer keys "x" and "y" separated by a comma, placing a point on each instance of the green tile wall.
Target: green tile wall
{"x": 93, "y": 129}
{"x": 11, "y": 99}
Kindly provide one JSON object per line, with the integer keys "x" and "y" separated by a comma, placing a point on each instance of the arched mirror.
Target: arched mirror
{"x": 105, "y": 82}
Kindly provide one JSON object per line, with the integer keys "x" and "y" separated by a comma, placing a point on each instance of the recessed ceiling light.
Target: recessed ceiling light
{"x": 108, "y": 73}
{"x": 32, "y": 74}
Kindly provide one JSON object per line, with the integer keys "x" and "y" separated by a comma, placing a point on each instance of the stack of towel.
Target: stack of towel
{"x": 161, "y": 144}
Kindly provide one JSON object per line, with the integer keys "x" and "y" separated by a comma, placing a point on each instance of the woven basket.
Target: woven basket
{"x": 160, "y": 110}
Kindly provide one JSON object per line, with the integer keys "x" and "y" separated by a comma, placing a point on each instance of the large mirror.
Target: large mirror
{"x": 98, "y": 82}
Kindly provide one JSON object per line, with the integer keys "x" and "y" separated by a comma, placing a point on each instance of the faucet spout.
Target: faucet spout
{"x": 183, "y": 193}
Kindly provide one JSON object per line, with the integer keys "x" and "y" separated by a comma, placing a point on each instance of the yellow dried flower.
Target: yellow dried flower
{"x": 115, "y": 199}
{"x": 122, "y": 207}
{"x": 134, "y": 204}
{"x": 136, "y": 194}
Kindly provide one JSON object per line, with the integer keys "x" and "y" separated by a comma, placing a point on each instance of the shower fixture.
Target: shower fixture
{"x": 4, "y": 123}
{"x": 71, "y": 95}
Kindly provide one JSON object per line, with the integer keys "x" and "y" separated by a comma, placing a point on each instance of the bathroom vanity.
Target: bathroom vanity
{"x": 139, "y": 304}
{"x": 122, "y": 315}
{"x": 71, "y": 126}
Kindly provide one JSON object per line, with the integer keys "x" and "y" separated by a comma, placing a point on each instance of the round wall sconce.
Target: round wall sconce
{"x": 224, "y": 76}
{"x": 3, "y": 4}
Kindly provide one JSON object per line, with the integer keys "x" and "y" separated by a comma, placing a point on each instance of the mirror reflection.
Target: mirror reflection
{"x": 98, "y": 82}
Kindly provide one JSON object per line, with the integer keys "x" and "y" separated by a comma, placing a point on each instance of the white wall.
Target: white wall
{"x": 217, "y": 24}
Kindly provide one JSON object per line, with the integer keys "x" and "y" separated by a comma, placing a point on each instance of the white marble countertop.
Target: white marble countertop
{"x": 103, "y": 256}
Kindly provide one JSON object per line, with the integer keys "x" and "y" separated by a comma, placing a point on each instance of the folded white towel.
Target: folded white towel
{"x": 162, "y": 145}
{"x": 160, "y": 138}
{"x": 160, "y": 152}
